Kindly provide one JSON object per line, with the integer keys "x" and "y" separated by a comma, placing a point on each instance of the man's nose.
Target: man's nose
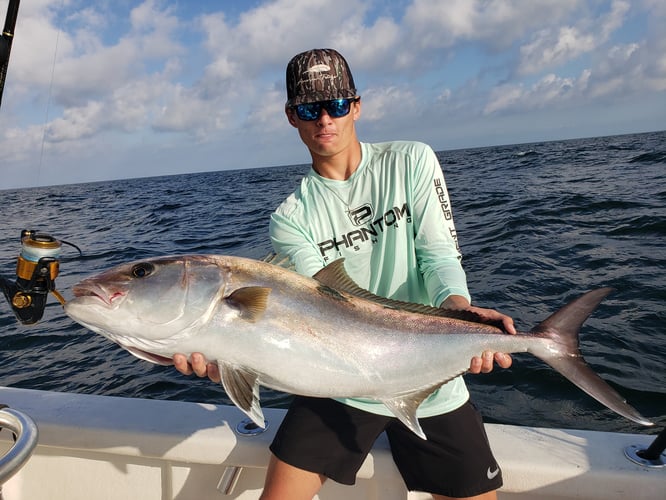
{"x": 324, "y": 117}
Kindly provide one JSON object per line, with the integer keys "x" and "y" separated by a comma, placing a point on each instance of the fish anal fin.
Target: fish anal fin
{"x": 243, "y": 389}
{"x": 404, "y": 408}
{"x": 250, "y": 300}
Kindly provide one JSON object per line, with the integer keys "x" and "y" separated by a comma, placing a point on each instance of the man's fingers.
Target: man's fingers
{"x": 214, "y": 372}
{"x": 475, "y": 365}
{"x": 509, "y": 327}
{"x": 503, "y": 360}
{"x": 485, "y": 362}
{"x": 199, "y": 364}
{"x": 181, "y": 364}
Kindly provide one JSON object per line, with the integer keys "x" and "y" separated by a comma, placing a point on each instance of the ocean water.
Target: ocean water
{"x": 538, "y": 225}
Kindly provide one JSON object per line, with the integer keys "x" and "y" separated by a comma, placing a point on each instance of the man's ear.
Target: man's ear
{"x": 356, "y": 110}
{"x": 291, "y": 116}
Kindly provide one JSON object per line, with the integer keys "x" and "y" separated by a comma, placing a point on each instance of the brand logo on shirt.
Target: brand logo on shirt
{"x": 369, "y": 233}
{"x": 361, "y": 215}
{"x": 443, "y": 198}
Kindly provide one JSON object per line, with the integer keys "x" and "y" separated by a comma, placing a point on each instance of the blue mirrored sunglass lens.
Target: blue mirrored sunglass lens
{"x": 335, "y": 108}
{"x": 308, "y": 112}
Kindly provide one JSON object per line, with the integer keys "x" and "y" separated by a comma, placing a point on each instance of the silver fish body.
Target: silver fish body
{"x": 323, "y": 336}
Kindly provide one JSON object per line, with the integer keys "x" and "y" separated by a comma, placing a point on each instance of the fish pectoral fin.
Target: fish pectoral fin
{"x": 250, "y": 300}
{"x": 404, "y": 408}
{"x": 243, "y": 389}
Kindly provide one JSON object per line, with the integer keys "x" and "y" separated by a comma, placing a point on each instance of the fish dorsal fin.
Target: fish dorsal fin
{"x": 251, "y": 300}
{"x": 335, "y": 276}
{"x": 280, "y": 260}
{"x": 243, "y": 389}
{"x": 404, "y": 408}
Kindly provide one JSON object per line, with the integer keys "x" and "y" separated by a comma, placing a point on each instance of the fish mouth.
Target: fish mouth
{"x": 93, "y": 290}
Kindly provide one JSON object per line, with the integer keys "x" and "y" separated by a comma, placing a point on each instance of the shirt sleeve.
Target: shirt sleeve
{"x": 437, "y": 251}
{"x": 289, "y": 240}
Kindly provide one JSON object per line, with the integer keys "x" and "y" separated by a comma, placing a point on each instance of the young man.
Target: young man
{"x": 385, "y": 208}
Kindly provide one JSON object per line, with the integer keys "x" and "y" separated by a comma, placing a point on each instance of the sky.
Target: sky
{"x": 115, "y": 89}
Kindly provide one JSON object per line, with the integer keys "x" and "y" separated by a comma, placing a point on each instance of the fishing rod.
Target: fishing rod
{"x": 38, "y": 262}
{"x": 37, "y": 267}
{"x": 6, "y": 41}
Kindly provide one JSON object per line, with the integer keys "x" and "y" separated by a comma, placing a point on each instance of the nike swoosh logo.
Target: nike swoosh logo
{"x": 492, "y": 474}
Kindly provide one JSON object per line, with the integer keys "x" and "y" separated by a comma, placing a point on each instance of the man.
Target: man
{"x": 385, "y": 208}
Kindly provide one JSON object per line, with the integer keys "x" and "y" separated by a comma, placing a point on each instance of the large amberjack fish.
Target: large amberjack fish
{"x": 323, "y": 336}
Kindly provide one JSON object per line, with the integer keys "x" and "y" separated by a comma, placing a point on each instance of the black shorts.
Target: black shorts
{"x": 333, "y": 439}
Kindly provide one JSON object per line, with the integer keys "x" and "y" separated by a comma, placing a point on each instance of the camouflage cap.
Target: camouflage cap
{"x": 318, "y": 75}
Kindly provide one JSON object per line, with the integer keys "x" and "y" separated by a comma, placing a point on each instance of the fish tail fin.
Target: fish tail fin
{"x": 562, "y": 328}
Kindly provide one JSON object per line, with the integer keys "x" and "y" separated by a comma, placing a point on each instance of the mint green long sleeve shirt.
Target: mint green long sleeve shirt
{"x": 392, "y": 222}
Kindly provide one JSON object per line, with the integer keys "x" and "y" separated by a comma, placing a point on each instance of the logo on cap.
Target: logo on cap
{"x": 319, "y": 68}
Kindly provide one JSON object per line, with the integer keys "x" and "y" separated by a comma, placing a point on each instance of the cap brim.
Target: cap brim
{"x": 321, "y": 96}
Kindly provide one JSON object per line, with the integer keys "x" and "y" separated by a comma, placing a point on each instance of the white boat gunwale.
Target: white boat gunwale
{"x": 104, "y": 447}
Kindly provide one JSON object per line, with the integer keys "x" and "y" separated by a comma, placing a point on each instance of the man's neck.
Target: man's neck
{"x": 340, "y": 166}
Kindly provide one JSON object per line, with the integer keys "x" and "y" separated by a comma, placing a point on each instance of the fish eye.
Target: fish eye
{"x": 142, "y": 270}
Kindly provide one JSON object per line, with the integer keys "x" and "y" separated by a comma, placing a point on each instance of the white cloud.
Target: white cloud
{"x": 370, "y": 46}
{"x": 550, "y": 49}
{"x": 97, "y": 86}
{"x": 267, "y": 113}
{"x": 186, "y": 111}
{"x": 497, "y": 23}
{"x": 76, "y": 123}
{"x": 555, "y": 46}
{"x": 266, "y": 36}
{"x": 551, "y": 90}
{"x": 32, "y": 55}
{"x": 24, "y": 142}
{"x": 445, "y": 95}
{"x": 381, "y": 103}
{"x": 628, "y": 70}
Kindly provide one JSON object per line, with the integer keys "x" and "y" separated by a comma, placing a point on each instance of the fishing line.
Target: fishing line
{"x": 48, "y": 101}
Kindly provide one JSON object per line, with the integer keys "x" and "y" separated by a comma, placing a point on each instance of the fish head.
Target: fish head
{"x": 148, "y": 302}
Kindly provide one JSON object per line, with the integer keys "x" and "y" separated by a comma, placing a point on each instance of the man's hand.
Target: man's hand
{"x": 198, "y": 366}
{"x": 485, "y": 362}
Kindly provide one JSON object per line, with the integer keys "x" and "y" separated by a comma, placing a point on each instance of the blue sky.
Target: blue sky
{"x": 114, "y": 89}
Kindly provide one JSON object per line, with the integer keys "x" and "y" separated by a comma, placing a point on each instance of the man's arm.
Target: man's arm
{"x": 439, "y": 256}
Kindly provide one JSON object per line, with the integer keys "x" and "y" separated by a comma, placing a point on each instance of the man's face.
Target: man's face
{"x": 327, "y": 136}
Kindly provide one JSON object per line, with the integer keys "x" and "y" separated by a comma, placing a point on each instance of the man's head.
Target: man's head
{"x": 322, "y": 104}
{"x": 318, "y": 75}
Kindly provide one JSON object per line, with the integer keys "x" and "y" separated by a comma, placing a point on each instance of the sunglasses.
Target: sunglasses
{"x": 336, "y": 108}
